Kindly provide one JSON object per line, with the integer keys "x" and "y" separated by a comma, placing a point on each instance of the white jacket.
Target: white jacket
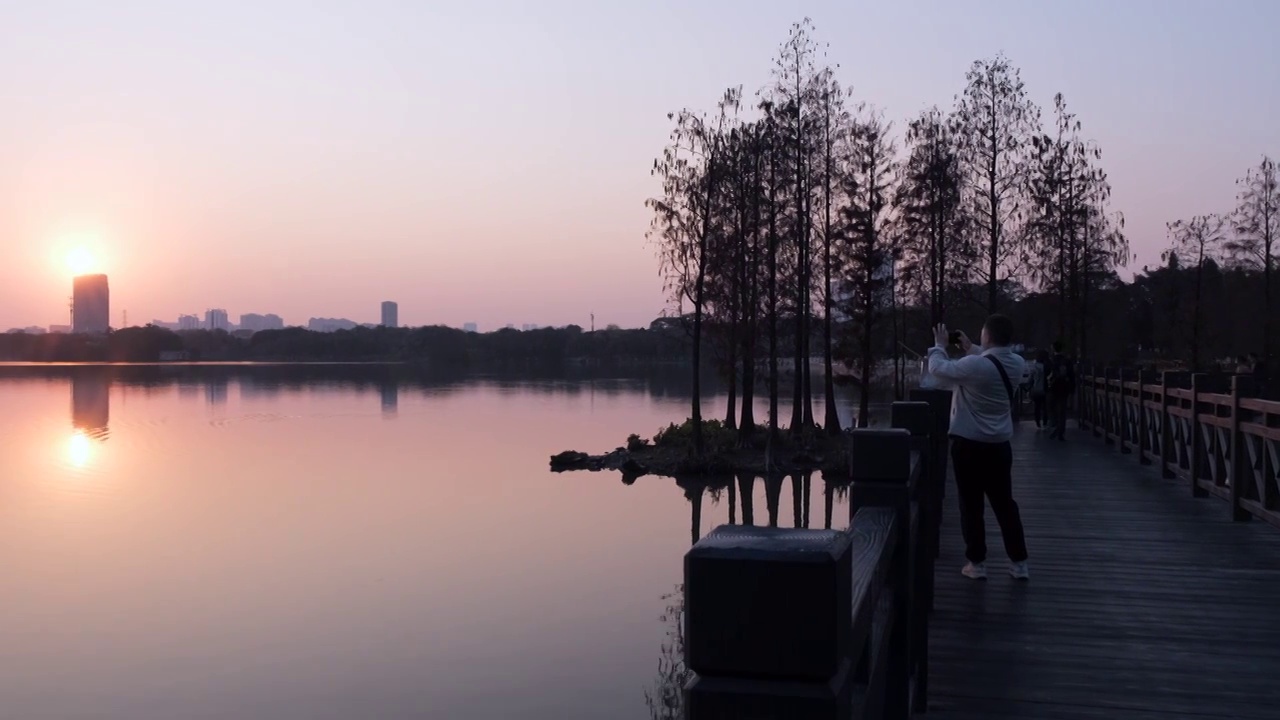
{"x": 980, "y": 405}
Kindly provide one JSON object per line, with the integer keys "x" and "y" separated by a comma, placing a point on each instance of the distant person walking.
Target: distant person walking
{"x": 1038, "y": 388}
{"x": 981, "y": 428}
{"x": 1261, "y": 381}
{"x": 1061, "y": 383}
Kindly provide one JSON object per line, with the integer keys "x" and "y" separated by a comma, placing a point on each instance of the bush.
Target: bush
{"x": 716, "y": 438}
{"x": 635, "y": 442}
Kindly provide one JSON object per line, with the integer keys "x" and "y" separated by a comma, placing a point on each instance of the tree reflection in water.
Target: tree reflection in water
{"x": 665, "y": 698}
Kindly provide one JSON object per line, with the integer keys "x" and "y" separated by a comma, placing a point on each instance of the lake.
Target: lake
{"x": 353, "y": 542}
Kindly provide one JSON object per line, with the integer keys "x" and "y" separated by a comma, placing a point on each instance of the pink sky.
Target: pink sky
{"x": 488, "y": 162}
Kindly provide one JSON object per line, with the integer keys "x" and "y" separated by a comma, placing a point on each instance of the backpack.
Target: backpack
{"x": 1061, "y": 378}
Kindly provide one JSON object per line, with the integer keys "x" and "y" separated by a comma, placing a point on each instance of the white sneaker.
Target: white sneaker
{"x": 1019, "y": 570}
{"x": 975, "y": 571}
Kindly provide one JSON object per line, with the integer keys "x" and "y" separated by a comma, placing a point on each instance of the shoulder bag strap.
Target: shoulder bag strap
{"x": 1004, "y": 375}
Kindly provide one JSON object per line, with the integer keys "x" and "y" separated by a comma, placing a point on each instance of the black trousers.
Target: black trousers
{"x": 1042, "y": 416}
{"x": 1058, "y": 414}
{"x": 984, "y": 471}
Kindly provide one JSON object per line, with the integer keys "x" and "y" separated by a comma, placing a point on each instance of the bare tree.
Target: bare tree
{"x": 995, "y": 121}
{"x": 1194, "y": 242}
{"x": 833, "y": 128}
{"x": 683, "y": 219}
{"x": 1103, "y": 248}
{"x": 793, "y": 93}
{"x": 1256, "y": 221}
{"x": 932, "y": 221}
{"x": 1068, "y": 222}
{"x": 774, "y": 179}
{"x": 868, "y": 256}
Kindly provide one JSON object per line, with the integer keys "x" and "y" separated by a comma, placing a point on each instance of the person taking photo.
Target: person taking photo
{"x": 981, "y": 429}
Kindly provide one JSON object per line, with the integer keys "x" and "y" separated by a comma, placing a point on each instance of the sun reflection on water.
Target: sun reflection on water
{"x": 79, "y": 450}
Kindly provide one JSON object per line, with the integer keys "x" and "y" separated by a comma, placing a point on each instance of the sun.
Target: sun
{"x": 80, "y": 261}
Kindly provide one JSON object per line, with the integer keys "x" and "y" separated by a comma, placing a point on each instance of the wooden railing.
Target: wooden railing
{"x": 1207, "y": 430}
{"x": 788, "y": 623}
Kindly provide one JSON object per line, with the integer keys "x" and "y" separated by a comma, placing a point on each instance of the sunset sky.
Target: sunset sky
{"x": 489, "y": 161}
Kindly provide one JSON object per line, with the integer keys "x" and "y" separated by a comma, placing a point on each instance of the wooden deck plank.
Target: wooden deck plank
{"x": 1144, "y": 602}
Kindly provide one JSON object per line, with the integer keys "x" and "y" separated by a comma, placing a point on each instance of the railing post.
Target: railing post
{"x": 1084, "y": 396}
{"x": 1166, "y": 429}
{"x": 1106, "y": 407}
{"x": 1095, "y": 399}
{"x": 881, "y": 467}
{"x": 1240, "y": 470}
{"x": 1144, "y": 421}
{"x": 1122, "y": 426}
{"x": 917, "y": 418}
{"x": 1197, "y": 441}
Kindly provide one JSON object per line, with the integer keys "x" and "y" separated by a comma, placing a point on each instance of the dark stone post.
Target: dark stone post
{"x": 881, "y": 469}
{"x": 917, "y": 418}
{"x": 768, "y": 624}
{"x": 940, "y": 403}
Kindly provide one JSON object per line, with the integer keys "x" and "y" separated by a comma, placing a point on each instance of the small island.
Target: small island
{"x": 671, "y": 453}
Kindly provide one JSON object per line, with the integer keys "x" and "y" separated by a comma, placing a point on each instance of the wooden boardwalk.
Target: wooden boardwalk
{"x": 1144, "y": 602}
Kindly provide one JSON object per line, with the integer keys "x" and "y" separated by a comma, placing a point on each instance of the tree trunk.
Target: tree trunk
{"x": 797, "y": 390}
{"x": 868, "y": 299}
{"x": 1267, "y": 306}
{"x": 731, "y": 411}
{"x": 832, "y": 417}
{"x": 1195, "y": 316}
{"x": 747, "y": 426}
{"x": 899, "y": 378}
{"x": 807, "y": 393}
{"x": 696, "y": 414}
{"x": 773, "y": 304}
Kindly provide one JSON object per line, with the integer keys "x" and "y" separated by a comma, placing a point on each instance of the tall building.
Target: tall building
{"x": 216, "y": 319}
{"x": 390, "y": 314}
{"x": 90, "y": 304}
{"x": 257, "y": 323}
{"x": 188, "y": 322}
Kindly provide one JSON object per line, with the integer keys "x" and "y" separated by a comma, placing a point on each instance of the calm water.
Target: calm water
{"x": 308, "y": 544}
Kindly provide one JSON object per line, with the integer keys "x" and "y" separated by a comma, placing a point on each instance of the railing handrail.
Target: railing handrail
{"x": 1222, "y": 443}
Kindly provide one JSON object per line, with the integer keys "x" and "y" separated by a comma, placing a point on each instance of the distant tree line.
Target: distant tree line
{"x": 442, "y": 348}
{"x": 799, "y": 224}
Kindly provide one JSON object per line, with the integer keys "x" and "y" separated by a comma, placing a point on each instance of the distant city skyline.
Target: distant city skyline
{"x": 233, "y": 153}
{"x": 91, "y": 292}
{"x": 90, "y": 300}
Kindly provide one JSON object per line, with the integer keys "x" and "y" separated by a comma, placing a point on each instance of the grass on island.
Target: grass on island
{"x": 725, "y": 450}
